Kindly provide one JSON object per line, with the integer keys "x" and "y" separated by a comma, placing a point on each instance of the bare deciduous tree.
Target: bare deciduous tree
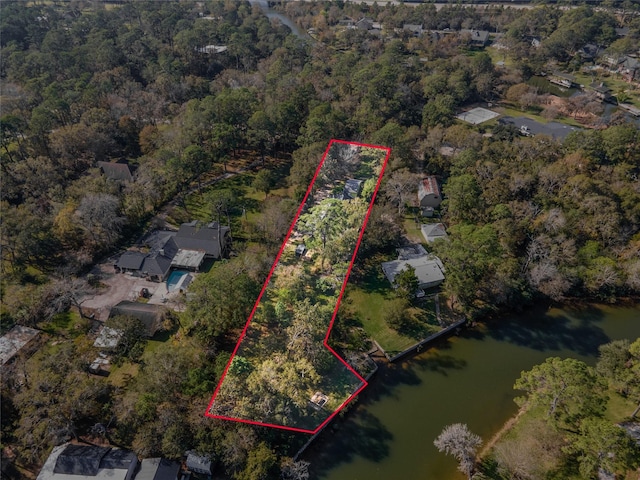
{"x": 457, "y": 440}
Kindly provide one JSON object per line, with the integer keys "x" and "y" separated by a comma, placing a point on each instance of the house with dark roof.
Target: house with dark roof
{"x": 117, "y": 171}
{"x": 589, "y": 52}
{"x": 185, "y": 249}
{"x": 630, "y": 69}
{"x": 78, "y": 462}
{"x": 429, "y": 193}
{"x": 478, "y": 38}
{"x": 158, "y": 469}
{"x": 213, "y": 239}
{"x": 602, "y": 92}
{"x": 199, "y": 463}
{"x": 413, "y": 29}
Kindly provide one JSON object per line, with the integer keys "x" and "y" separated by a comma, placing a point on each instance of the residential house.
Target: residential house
{"x": 414, "y": 250}
{"x": 478, "y": 38}
{"x": 185, "y": 249}
{"x": 213, "y": 239}
{"x": 589, "y": 52}
{"x": 158, "y": 469}
{"x": 563, "y": 79}
{"x": 199, "y": 463}
{"x": 19, "y": 338}
{"x": 612, "y": 61}
{"x": 413, "y": 29}
{"x": 433, "y": 231}
{"x": 602, "y": 92}
{"x": 117, "y": 171}
{"x": 630, "y": 69}
{"x": 365, "y": 23}
{"x": 85, "y": 462}
{"x": 429, "y": 193}
{"x": 428, "y": 270}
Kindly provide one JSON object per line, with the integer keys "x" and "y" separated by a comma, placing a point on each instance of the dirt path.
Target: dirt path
{"x": 509, "y": 424}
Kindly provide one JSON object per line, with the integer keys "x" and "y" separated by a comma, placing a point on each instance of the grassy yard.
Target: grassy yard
{"x": 67, "y": 324}
{"x": 530, "y": 431}
{"x": 615, "y": 83}
{"x": 498, "y": 55}
{"x": 369, "y": 302}
{"x": 248, "y": 201}
{"x": 513, "y": 112}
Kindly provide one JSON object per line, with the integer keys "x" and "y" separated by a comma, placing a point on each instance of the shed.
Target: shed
{"x": 158, "y": 469}
{"x": 15, "y": 340}
{"x": 433, "y": 231}
{"x": 352, "y": 189}
{"x": 108, "y": 338}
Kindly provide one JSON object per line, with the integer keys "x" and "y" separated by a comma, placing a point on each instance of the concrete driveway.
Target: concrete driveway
{"x": 118, "y": 287}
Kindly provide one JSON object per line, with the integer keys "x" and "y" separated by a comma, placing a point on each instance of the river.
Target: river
{"x": 468, "y": 379}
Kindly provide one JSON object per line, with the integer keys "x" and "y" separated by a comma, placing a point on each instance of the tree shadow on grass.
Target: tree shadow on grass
{"x": 544, "y": 332}
{"x": 363, "y": 435}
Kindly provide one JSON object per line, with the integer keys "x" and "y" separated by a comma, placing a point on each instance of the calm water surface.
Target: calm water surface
{"x": 468, "y": 379}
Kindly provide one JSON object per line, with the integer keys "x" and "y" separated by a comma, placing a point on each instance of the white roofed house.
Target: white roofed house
{"x": 428, "y": 270}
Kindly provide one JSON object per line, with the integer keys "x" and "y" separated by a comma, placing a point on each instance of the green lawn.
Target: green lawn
{"x": 66, "y": 324}
{"x": 513, "y": 112}
{"x": 612, "y": 81}
{"x": 532, "y": 432}
{"x": 498, "y": 55}
{"x": 369, "y": 300}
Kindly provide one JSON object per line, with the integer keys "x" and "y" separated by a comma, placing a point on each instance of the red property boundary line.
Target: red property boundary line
{"x": 325, "y": 342}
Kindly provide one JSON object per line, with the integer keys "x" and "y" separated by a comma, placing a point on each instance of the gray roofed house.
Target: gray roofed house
{"x": 150, "y": 315}
{"x": 213, "y": 238}
{"x": 478, "y": 37}
{"x": 116, "y": 171}
{"x": 156, "y": 265}
{"x": 414, "y": 29}
{"x": 186, "y": 248}
{"x": 14, "y": 341}
{"x": 77, "y": 462}
{"x": 158, "y": 469}
{"x": 428, "y": 269}
{"x": 199, "y": 463}
{"x": 433, "y": 231}
{"x": 130, "y": 261}
{"x": 414, "y": 250}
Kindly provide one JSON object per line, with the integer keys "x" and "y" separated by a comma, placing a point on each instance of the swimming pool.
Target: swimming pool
{"x": 177, "y": 279}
